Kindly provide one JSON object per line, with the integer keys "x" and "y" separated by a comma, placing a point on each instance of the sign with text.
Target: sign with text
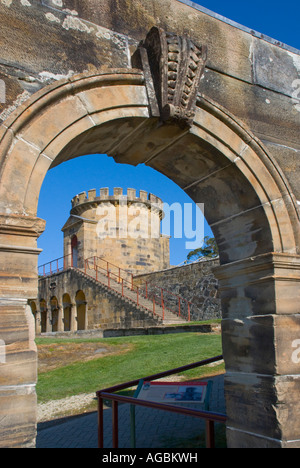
{"x": 173, "y": 392}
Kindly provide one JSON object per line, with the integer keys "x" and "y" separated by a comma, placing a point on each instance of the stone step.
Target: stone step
{"x": 143, "y": 303}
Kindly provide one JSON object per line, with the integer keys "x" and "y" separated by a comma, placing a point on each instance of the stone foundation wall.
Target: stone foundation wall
{"x": 194, "y": 282}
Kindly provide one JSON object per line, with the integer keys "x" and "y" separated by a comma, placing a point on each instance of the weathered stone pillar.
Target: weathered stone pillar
{"x": 261, "y": 343}
{"x": 86, "y": 316}
{"x": 74, "y": 323}
{"x": 18, "y": 365}
{"x": 60, "y": 320}
{"x": 48, "y": 320}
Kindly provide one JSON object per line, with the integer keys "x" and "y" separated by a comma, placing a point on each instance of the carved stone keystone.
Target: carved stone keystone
{"x": 175, "y": 65}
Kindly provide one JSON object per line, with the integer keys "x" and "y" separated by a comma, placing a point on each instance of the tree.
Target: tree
{"x": 208, "y": 250}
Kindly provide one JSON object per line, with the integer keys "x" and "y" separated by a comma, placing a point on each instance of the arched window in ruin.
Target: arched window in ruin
{"x": 81, "y": 310}
{"x": 74, "y": 247}
{"x": 43, "y": 309}
{"x": 54, "y": 313}
{"x": 67, "y": 312}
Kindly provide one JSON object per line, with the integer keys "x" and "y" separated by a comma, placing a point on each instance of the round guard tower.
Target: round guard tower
{"x": 122, "y": 229}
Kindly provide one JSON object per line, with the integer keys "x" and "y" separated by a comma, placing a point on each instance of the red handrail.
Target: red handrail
{"x": 54, "y": 266}
{"x": 121, "y": 281}
{"x": 155, "y": 294}
{"x": 181, "y": 301}
{"x": 109, "y": 394}
{"x": 160, "y": 295}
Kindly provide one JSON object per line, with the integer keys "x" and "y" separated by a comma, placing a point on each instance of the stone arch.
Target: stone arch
{"x": 67, "y": 312}
{"x": 217, "y": 161}
{"x": 75, "y": 117}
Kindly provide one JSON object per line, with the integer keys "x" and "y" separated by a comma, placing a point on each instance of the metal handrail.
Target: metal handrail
{"x": 56, "y": 263}
{"x": 158, "y": 297}
{"x": 120, "y": 281}
{"x": 53, "y": 267}
{"x": 122, "y": 293}
{"x": 161, "y": 294}
{"x": 109, "y": 394}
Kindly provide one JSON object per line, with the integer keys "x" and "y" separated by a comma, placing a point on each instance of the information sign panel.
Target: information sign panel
{"x": 173, "y": 392}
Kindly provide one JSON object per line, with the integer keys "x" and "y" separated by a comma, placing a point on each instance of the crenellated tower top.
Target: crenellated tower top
{"x": 123, "y": 228}
{"x": 86, "y": 200}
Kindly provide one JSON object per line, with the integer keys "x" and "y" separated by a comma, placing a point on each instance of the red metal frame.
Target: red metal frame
{"x": 55, "y": 266}
{"x": 109, "y": 394}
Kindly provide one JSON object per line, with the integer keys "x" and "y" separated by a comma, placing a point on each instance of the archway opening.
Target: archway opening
{"x": 67, "y": 316}
{"x": 184, "y": 222}
{"x": 182, "y": 229}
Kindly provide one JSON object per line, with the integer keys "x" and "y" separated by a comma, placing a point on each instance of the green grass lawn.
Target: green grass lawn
{"x": 147, "y": 355}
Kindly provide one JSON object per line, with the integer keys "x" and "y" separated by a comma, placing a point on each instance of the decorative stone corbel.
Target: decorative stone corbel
{"x": 173, "y": 66}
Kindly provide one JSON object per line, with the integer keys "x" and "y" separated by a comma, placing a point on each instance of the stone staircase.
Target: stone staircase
{"x": 123, "y": 289}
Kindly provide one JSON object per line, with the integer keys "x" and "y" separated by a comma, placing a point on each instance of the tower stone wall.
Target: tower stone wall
{"x": 123, "y": 229}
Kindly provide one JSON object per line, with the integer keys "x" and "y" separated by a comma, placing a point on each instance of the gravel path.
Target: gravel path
{"x": 58, "y": 408}
{"x": 76, "y": 404}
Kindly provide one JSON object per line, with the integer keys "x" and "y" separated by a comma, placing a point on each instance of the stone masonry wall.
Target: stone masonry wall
{"x": 194, "y": 282}
{"x": 105, "y": 309}
{"x": 247, "y": 74}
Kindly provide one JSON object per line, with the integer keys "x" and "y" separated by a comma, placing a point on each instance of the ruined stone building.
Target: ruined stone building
{"x": 115, "y": 272}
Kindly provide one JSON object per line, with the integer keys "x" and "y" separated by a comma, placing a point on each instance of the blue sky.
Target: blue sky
{"x": 277, "y": 20}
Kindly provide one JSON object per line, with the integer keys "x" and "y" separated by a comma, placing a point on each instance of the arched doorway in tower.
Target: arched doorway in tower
{"x": 74, "y": 248}
{"x": 81, "y": 310}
